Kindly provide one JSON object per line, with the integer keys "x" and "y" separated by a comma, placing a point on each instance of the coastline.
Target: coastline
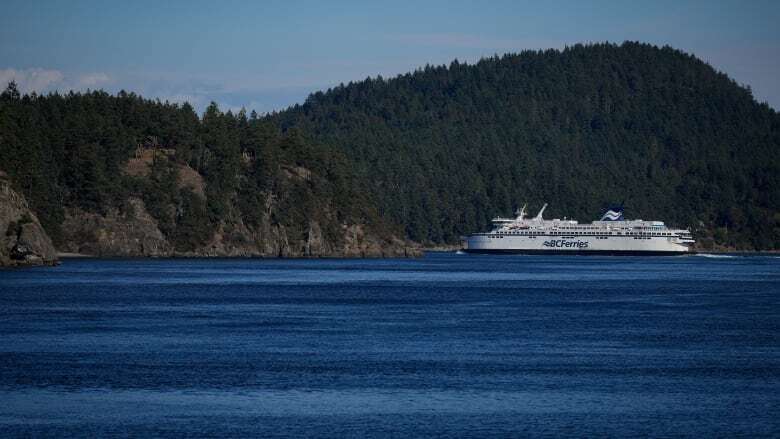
{"x": 70, "y": 255}
{"x": 410, "y": 255}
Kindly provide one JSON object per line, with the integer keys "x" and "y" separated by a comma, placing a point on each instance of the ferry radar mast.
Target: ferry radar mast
{"x": 539, "y": 215}
{"x": 520, "y": 213}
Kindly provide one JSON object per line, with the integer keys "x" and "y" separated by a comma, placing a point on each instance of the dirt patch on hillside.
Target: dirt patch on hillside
{"x": 190, "y": 178}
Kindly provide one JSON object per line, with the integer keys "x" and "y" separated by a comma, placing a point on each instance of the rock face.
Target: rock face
{"x": 22, "y": 239}
{"x": 136, "y": 234}
{"x": 130, "y": 234}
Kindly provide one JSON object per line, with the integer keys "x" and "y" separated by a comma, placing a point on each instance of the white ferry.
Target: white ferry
{"x": 611, "y": 235}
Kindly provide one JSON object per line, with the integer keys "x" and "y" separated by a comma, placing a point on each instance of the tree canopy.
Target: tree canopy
{"x": 445, "y": 148}
{"x": 434, "y": 153}
{"x": 71, "y": 151}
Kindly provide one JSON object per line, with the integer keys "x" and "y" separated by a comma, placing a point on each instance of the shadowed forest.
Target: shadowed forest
{"x": 430, "y": 155}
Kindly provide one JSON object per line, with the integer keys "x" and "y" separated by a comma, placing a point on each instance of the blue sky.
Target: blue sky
{"x": 272, "y": 54}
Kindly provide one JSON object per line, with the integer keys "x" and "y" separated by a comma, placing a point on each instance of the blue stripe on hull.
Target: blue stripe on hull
{"x": 579, "y": 252}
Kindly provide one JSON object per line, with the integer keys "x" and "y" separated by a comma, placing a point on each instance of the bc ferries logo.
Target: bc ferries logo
{"x": 564, "y": 243}
{"x": 613, "y": 215}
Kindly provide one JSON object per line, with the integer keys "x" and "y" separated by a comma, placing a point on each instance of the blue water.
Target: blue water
{"x": 447, "y": 345}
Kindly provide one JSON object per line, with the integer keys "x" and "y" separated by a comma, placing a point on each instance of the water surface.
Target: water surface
{"x": 455, "y": 345}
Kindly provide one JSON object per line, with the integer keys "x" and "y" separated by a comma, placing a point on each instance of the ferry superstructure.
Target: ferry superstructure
{"x": 610, "y": 235}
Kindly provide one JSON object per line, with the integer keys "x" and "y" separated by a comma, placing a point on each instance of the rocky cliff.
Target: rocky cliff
{"x": 129, "y": 234}
{"x": 135, "y": 233}
{"x": 22, "y": 239}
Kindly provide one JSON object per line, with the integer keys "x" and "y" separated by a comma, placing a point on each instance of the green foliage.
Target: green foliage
{"x": 71, "y": 151}
{"x": 161, "y": 193}
{"x": 444, "y": 149}
{"x": 436, "y": 152}
{"x": 221, "y": 165}
{"x": 192, "y": 224}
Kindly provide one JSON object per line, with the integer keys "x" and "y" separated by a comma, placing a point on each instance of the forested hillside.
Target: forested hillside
{"x": 122, "y": 175}
{"x": 445, "y": 148}
{"x": 429, "y": 155}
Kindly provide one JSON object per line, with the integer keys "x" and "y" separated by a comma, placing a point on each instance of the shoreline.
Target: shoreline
{"x": 68, "y": 255}
{"x": 191, "y": 256}
{"x": 439, "y": 249}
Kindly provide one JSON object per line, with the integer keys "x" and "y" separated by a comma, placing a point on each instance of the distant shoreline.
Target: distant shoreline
{"x": 435, "y": 249}
{"x": 67, "y": 255}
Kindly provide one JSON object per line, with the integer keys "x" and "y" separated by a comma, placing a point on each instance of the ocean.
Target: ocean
{"x": 445, "y": 345}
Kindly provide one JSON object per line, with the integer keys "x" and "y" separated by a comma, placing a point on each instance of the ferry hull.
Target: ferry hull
{"x": 581, "y": 245}
{"x": 611, "y": 235}
{"x": 578, "y": 252}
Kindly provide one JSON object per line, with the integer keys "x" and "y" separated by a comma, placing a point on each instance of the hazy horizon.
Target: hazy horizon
{"x": 266, "y": 57}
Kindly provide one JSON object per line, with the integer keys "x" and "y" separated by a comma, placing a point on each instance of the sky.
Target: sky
{"x": 268, "y": 55}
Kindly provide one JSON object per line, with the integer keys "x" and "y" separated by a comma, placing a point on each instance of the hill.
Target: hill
{"x": 445, "y": 148}
{"x": 125, "y": 176}
{"x": 428, "y": 156}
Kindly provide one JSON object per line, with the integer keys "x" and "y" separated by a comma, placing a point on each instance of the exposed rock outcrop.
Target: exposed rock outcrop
{"x": 117, "y": 234}
{"x": 136, "y": 234}
{"x": 22, "y": 239}
{"x": 140, "y": 165}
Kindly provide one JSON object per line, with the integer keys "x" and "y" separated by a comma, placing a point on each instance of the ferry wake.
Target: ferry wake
{"x": 611, "y": 235}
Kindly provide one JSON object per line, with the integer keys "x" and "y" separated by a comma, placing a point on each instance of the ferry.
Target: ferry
{"x": 610, "y": 235}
